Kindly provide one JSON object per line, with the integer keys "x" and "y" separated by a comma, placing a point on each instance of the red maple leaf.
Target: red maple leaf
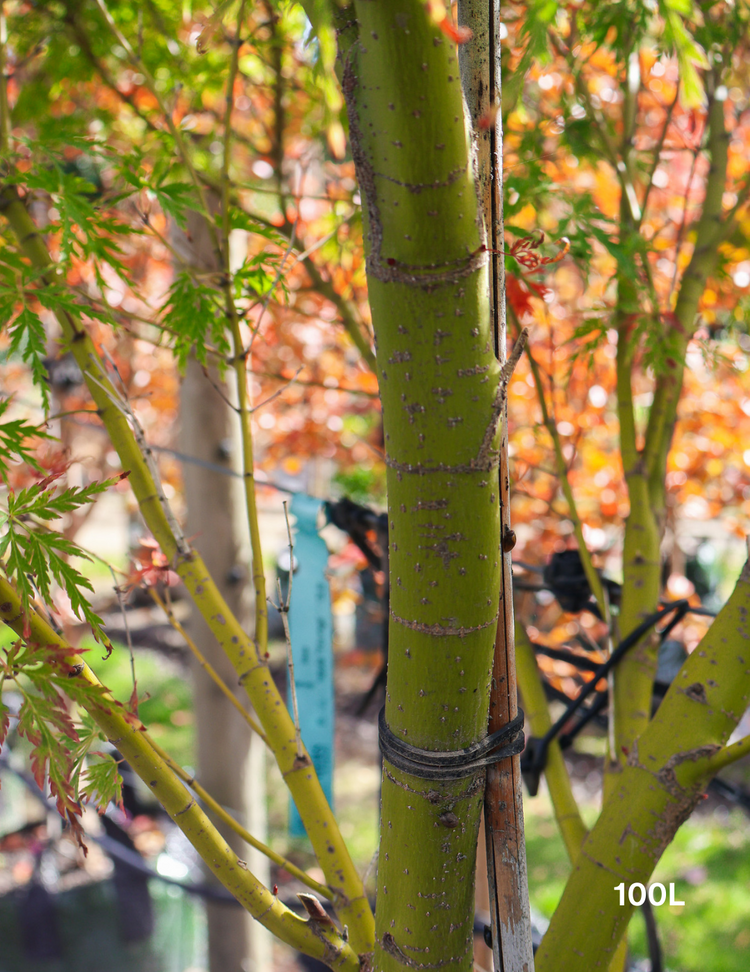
{"x": 519, "y": 294}
{"x": 150, "y": 567}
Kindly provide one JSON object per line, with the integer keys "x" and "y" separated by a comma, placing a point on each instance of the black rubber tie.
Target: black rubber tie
{"x": 426, "y": 764}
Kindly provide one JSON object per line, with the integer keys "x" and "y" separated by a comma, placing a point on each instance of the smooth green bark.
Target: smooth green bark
{"x": 538, "y": 721}
{"x": 634, "y": 677}
{"x": 711, "y": 229}
{"x": 633, "y": 680}
{"x": 645, "y": 470}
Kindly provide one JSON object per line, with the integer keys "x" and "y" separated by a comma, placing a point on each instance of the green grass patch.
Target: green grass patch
{"x": 166, "y": 691}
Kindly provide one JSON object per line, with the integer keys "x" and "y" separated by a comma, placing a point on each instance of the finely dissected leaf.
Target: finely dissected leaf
{"x": 9, "y": 259}
{"x": 60, "y": 747}
{"x": 259, "y": 276}
{"x": 196, "y": 315}
{"x": 38, "y": 716}
{"x": 690, "y": 55}
{"x": 534, "y": 34}
{"x": 14, "y": 436}
{"x": 28, "y": 338}
{"x": 102, "y": 782}
{"x": 239, "y": 219}
{"x": 4, "y": 721}
{"x": 88, "y": 696}
{"x": 58, "y": 300}
{"x": 42, "y": 502}
{"x": 175, "y": 198}
{"x": 45, "y": 722}
{"x": 39, "y": 553}
{"x": 86, "y": 230}
{"x": 621, "y": 251}
{"x": 88, "y": 731}
{"x": 43, "y": 552}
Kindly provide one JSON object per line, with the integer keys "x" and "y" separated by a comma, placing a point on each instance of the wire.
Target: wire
{"x": 571, "y": 658}
{"x": 535, "y": 755}
{"x": 261, "y": 477}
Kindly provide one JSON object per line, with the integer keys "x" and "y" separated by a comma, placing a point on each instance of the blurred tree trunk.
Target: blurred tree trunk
{"x": 230, "y": 758}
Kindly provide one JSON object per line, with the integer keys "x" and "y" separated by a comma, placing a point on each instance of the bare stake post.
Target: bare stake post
{"x": 503, "y": 807}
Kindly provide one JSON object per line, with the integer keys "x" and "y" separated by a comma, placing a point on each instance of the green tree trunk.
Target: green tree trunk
{"x": 645, "y": 469}
{"x": 439, "y": 379}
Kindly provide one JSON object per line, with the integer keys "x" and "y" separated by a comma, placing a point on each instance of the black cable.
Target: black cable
{"x": 522, "y": 585}
{"x": 531, "y": 568}
{"x": 731, "y": 791}
{"x": 555, "y": 694}
{"x": 564, "y": 575}
{"x": 703, "y": 611}
{"x": 586, "y": 643}
{"x": 578, "y": 661}
{"x": 652, "y": 936}
{"x": 535, "y": 754}
{"x": 601, "y": 702}
{"x": 678, "y": 616}
{"x": 378, "y": 682}
{"x": 356, "y": 521}
{"x": 585, "y": 664}
{"x": 536, "y": 749}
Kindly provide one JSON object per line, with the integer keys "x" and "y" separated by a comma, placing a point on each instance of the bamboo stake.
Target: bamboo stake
{"x": 503, "y": 806}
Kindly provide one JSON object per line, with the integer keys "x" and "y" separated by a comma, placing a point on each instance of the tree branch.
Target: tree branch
{"x": 562, "y": 472}
{"x": 710, "y": 230}
{"x": 666, "y": 773}
{"x": 728, "y": 755}
{"x": 567, "y": 813}
{"x": 229, "y": 820}
{"x": 208, "y": 667}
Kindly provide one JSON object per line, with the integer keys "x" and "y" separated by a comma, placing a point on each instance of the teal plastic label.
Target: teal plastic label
{"x": 311, "y": 630}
